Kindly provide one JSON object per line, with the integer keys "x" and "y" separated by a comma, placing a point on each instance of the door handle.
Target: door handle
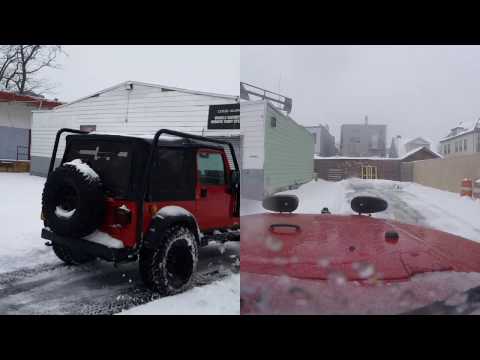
{"x": 203, "y": 192}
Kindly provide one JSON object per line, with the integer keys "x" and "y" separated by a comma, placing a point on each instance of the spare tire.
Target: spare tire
{"x": 73, "y": 201}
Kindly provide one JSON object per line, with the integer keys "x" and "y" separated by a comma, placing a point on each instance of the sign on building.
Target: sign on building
{"x": 222, "y": 117}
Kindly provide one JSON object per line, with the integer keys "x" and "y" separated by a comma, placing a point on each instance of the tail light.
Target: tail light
{"x": 122, "y": 216}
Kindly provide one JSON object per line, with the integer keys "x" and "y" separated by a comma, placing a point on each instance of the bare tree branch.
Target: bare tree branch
{"x": 20, "y": 64}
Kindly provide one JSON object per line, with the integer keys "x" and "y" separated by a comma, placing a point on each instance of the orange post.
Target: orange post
{"x": 467, "y": 187}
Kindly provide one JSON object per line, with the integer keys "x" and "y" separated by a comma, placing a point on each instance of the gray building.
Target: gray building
{"x": 363, "y": 140}
{"x": 324, "y": 141}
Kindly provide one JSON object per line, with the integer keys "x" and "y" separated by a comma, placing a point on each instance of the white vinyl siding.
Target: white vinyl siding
{"x": 252, "y": 116}
{"x": 143, "y": 110}
{"x": 16, "y": 115}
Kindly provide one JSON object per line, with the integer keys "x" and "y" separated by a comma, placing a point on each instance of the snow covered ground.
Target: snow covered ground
{"x": 195, "y": 302}
{"x": 34, "y": 281}
{"x": 407, "y": 202}
{"x": 20, "y": 207}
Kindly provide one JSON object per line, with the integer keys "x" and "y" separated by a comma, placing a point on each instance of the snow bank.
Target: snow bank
{"x": 218, "y": 298}
{"x": 20, "y": 208}
{"x": 426, "y": 206}
{"x": 444, "y": 210}
{"x": 102, "y": 238}
{"x": 86, "y": 170}
{"x": 313, "y": 196}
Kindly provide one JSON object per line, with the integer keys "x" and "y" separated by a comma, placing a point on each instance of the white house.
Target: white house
{"x": 136, "y": 108}
{"x": 16, "y": 122}
{"x": 462, "y": 139}
{"x": 401, "y": 146}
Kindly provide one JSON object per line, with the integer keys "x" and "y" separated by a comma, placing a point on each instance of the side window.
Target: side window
{"x": 211, "y": 169}
{"x": 170, "y": 177}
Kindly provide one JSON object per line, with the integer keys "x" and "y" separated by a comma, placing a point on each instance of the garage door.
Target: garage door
{"x": 237, "y": 146}
{"x": 13, "y": 141}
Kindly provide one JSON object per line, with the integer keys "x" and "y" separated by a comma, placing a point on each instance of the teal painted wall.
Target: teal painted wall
{"x": 289, "y": 151}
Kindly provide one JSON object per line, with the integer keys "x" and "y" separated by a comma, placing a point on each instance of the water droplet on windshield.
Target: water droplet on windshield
{"x": 273, "y": 244}
{"x": 364, "y": 270}
{"x": 337, "y": 278}
{"x": 300, "y": 296}
{"x": 324, "y": 263}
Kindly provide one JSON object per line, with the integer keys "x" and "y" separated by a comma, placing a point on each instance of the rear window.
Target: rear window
{"x": 111, "y": 160}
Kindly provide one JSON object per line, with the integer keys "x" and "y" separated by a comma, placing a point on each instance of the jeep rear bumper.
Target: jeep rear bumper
{"x": 97, "y": 250}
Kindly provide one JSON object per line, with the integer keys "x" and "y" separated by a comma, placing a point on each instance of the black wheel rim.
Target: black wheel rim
{"x": 179, "y": 264}
{"x": 67, "y": 198}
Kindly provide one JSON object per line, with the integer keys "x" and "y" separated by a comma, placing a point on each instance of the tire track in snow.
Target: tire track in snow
{"x": 410, "y": 208}
{"x": 98, "y": 287}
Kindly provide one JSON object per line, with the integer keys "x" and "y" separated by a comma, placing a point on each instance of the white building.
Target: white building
{"x": 135, "y": 108}
{"x": 324, "y": 142}
{"x": 401, "y": 146}
{"x": 462, "y": 140}
{"x": 16, "y": 122}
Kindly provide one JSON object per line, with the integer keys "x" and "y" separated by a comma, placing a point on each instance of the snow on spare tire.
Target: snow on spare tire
{"x": 73, "y": 202}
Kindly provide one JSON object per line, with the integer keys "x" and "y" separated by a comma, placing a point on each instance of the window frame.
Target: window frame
{"x": 224, "y": 165}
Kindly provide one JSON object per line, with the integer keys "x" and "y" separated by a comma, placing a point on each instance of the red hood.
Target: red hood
{"x": 347, "y": 249}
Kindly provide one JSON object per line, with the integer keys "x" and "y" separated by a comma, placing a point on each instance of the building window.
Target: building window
{"x": 464, "y": 144}
{"x": 449, "y": 148}
{"x": 314, "y": 138}
{"x": 456, "y": 146}
{"x": 273, "y": 122}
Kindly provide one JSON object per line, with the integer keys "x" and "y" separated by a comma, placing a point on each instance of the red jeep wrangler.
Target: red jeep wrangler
{"x": 156, "y": 199}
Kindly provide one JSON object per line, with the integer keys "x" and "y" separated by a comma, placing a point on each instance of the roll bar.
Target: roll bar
{"x": 55, "y": 146}
{"x": 148, "y": 168}
{"x": 143, "y": 192}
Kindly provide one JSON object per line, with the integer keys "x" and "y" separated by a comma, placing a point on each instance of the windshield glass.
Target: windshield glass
{"x": 111, "y": 161}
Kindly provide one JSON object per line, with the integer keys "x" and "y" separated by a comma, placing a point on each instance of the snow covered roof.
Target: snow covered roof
{"x": 157, "y": 86}
{"x": 8, "y": 96}
{"x": 465, "y": 127}
{"x": 400, "y": 144}
{"x": 404, "y": 156}
{"x": 417, "y": 150}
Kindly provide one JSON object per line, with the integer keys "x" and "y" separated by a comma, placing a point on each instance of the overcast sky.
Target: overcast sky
{"x": 414, "y": 90}
{"x": 88, "y": 69}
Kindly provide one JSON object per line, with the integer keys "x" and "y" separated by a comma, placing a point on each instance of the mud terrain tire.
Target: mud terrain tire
{"x": 70, "y": 257}
{"x": 70, "y": 189}
{"x": 169, "y": 269}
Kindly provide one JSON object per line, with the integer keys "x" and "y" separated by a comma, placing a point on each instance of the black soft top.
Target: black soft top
{"x": 163, "y": 141}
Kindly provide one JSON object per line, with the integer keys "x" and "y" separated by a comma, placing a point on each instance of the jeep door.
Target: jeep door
{"x": 212, "y": 195}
